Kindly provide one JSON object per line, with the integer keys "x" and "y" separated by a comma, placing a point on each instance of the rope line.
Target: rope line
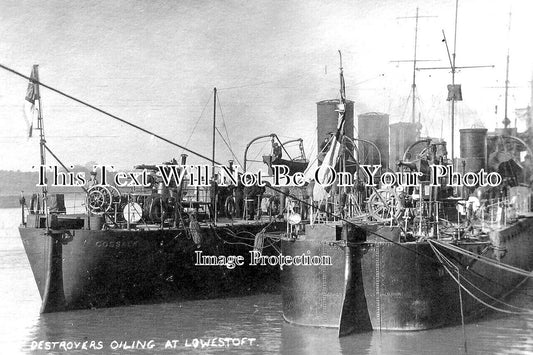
{"x": 105, "y": 112}
{"x": 331, "y": 214}
{"x": 198, "y": 121}
{"x": 483, "y": 259}
{"x": 442, "y": 259}
{"x": 224, "y": 123}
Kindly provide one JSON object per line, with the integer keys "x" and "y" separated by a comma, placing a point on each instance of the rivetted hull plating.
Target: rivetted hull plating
{"x": 383, "y": 285}
{"x": 102, "y": 268}
{"x": 407, "y": 288}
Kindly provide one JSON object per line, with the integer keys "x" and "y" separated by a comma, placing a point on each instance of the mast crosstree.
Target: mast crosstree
{"x": 414, "y": 61}
{"x": 454, "y": 90}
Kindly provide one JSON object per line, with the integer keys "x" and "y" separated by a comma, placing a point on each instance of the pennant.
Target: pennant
{"x": 31, "y": 108}
{"x": 326, "y": 170}
{"x": 32, "y": 94}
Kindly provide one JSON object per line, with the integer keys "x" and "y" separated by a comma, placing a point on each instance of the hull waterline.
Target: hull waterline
{"x": 81, "y": 268}
{"x": 382, "y": 285}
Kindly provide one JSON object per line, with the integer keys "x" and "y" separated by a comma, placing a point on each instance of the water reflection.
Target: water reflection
{"x": 255, "y": 317}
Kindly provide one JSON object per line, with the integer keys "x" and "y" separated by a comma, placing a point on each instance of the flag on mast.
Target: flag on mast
{"x": 32, "y": 97}
{"x": 326, "y": 170}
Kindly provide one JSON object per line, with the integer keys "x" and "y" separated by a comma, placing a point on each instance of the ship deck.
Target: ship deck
{"x": 79, "y": 221}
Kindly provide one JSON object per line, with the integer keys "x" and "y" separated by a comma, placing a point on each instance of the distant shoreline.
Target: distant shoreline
{"x": 9, "y": 201}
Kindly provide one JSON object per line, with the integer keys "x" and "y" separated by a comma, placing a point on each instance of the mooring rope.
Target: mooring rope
{"x": 446, "y": 263}
{"x": 331, "y": 214}
{"x": 483, "y": 259}
{"x": 479, "y": 289}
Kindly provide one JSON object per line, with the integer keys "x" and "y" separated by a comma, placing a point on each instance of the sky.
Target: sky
{"x": 155, "y": 64}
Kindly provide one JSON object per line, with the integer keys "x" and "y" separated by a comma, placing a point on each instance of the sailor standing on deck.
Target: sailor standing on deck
{"x": 93, "y": 180}
{"x": 276, "y": 151}
{"x": 252, "y": 195}
{"x": 239, "y": 198}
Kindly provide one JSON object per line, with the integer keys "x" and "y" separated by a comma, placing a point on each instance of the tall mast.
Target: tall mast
{"x": 214, "y": 129}
{"x": 34, "y": 81}
{"x": 506, "y": 120}
{"x": 453, "y": 78}
{"x": 413, "y": 85}
{"x": 342, "y": 109}
{"x": 454, "y": 93}
{"x": 40, "y": 125}
{"x": 415, "y": 61}
{"x": 342, "y": 89}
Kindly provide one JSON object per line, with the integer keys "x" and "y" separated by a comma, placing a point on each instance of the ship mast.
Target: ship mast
{"x": 214, "y": 130}
{"x": 34, "y": 80}
{"x": 453, "y": 76}
{"x": 342, "y": 106}
{"x": 415, "y": 61}
{"x": 454, "y": 91}
{"x": 40, "y": 126}
{"x": 324, "y": 172}
{"x": 342, "y": 89}
{"x": 506, "y": 120}
{"x": 413, "y": 85}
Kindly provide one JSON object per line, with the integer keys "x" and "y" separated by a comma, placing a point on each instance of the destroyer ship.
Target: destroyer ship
{"x": 410, "y": 257}
{"x": 142, "y": 244}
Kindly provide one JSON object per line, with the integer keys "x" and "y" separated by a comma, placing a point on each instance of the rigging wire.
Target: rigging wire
{"x": 260, "y": 151}
{"x": 297, "y": 199}
{"x": 60, "y": 162}
{"x": 338, "y": 217}
{"x": 198, "y": 154}
{"x": 484, "y": 259}
{"x": 252, "y": 85}
{"x": 224, "y": 122}
{"x": 446, "y": 267}
{"x": 227, "y": 145}
{"x": 228, "y": 142}
{"x": 483, "y": 292}
{"x": 406, "y": 104}
{"x": 197, "y": 121}
{"x": 451, "y": 264}
{"x": 103, "y": 112}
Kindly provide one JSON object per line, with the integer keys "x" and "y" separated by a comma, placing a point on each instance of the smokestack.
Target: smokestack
{"x": 374, "y": 127}
{"x": 327, "y": 120}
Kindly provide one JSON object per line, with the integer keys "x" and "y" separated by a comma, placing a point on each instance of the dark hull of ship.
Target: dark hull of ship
{"x": 382, "y": 285}
{"x": 80, "y": 268}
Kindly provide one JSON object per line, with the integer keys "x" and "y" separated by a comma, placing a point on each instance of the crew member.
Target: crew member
{"x": 276, "y": 151}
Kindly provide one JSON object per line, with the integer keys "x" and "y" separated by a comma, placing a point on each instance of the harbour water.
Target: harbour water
{"x": 246, "y": 325}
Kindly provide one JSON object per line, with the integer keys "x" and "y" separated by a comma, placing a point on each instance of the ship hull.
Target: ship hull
{"x": 80, "y": 268}
{"x": 383, "y": 285}
{"x": 407, "y": 288}
{"x": 325, "y": 295}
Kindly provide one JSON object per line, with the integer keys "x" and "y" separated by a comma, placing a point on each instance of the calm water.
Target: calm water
{"x": 187, "y": 323}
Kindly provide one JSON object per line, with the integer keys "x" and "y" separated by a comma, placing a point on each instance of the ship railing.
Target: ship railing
{"x": 437, "y": 218}
{"x": 498, "y": 213}
{"x": 75, "y": 203}
{"x": 489, "y": 215}
{"x": 60, "y": 203}
{"x": 335, "y": 208}
{"x": 40, "y": 210}
{"x": 197, "y": 197}
{"x": 323, "y": 213}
